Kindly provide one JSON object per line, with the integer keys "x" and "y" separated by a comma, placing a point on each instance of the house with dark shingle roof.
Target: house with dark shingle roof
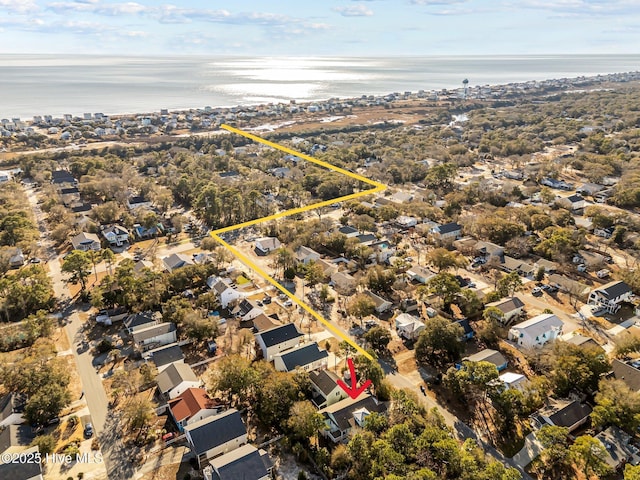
{"x": 562, "y": 413}
{"x": 306, "y": 357}
{"x": 448, "y": 230}
{"x": 510, "y": 308}
{"x": 246, "y": 463}
{"x": 610, "y": 296}
{"x": 12, "y": 409}
{"x": 175, "y": 379}
{"x": 15, "y": 437}
{"x": 278, "y": 339}
{"x": 191, "y": 406}
{"x": 165, "y": 356}
{"x": 176, "y": 261}
{"x": 341, "y": 417}
{"x": 214, "y": 436}
{"x": 325, "y": 388}
{"x": 627, "y": 373}
{"x": 155, "y": 336}
{"x": 225, "y": 293}
{"x": 23, "y": 470}
{"x": 138, "y": 321}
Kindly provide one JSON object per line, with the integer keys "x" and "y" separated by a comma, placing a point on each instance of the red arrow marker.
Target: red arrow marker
{"x": 353, "y": 390}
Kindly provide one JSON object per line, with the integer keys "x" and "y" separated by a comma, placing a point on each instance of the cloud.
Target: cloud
{"x": 437, "y": 2}
{"x": 19, "y": 6}
{"x": 354, "y": 11}
{"x": 580, "y": 7}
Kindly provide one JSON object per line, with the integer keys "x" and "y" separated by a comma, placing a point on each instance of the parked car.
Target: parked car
{"x": 88, "y": 430}
{"x": 168, "y": 436}
{"x": 288, "y": 303}
{"x": 266, "y": 300}
{"x": 537, "y": 291}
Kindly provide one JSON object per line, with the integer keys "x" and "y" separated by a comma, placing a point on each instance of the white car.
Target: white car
{"x": 288, "y": 303}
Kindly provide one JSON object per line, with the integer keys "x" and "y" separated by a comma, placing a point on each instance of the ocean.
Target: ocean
{"x": 59, "y": 84}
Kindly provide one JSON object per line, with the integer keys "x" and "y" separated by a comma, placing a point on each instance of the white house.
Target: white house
{"x": 448, "y": 230}
{"x": 510, "y": 308}
{"x": 116, "y": 235}
{"x": 85, "y": 242}
{"x": 278, "y": 339}
{"x": 381, "y": 305}
{"x": 306, "y": 255}
{"x": 420, "y": 274}
{"x": 223, "y": 290}
{"x": 192, "y": 406}
{"x": 136, "y": 202}
{"x": 573, "y": 202}
{"x": 265, "y": 245}
{"x": 155, "y": 336}
{"x": 513, "y": 380}
{"x": 325, "y": 388}
{"x": 610, "y": 296}
{"x": 408, "y": 326}
{"x": 175, "y": 379}
{"x": 5, "y": 176}
{"x": 341, "y": 417}
{"x": 215, "y": 436}
{"x": 247, "y": 310}
{"x": 536, "y": 331}
{"x": 307, "y": 357}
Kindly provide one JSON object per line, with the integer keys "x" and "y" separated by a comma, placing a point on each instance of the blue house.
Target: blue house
{"x": 468, "y": 331}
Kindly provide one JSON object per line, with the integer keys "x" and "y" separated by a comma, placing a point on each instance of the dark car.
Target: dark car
{"x": 88, "y": 430}
{"x": 266, "y": 300}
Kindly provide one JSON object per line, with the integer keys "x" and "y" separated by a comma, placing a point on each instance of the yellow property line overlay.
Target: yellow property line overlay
{"x": 377, "y": 187}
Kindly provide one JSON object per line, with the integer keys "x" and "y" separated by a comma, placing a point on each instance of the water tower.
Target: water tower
{"x": 465, "y": 84}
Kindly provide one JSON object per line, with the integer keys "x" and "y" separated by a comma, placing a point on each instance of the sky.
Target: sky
{"x": 321, "y": 27}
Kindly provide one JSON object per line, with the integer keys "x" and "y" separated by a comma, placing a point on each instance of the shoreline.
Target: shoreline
{"x": 244, "y": 106}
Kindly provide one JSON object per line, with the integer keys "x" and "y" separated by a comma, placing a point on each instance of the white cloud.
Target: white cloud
{"x": 354, "y": 11}
{"x": 437, "y": 2}
{"x": 19, "y": 6}
{"x": 580, "y": 7}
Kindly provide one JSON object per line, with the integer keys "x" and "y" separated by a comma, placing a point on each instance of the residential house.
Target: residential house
{"x": 582, "y": 341}
{"x": 5, "y": 176}
{"x": 176, "y": 261}
{"x": 404, "y": 221}
{"x": 487, "y": 250}
{"x": 510, "y": 307}
{"x": 69, "y": 195}
{"x": 610, "y": 296}
{"x": 382, "y": 250}
{"x": 23, "y": 470}
{"x": 116, "y": 235}
{"x": 574, "y": 203}
{"x": 548, "y": 265}
{"x": 262, "y": 322}
{"x": 148, "y": 232}
{"x": 562, "y": 413}
{"x": 85, "y": 242}
{"x": 164, "y": 356}
{"x": 325, "y": 389}
{"x": 62, "y": 179}
{"x": 467, "y": 331}
{"x": 513, "y": 380}
{"x": 138, "y": 321}
{"x": 619, "y": 447}
{"x": 348, "y": 231}
{"x": 488, "y": 355}
{"x": 265, "y": 245}
{"x": 12, "y": 409}
{"x": 155, "y": 336}
{"x": 523, "y": 268}
{"x": 604, "y": 232}
{"x": 307, "y": 357}
{"x": 589, "y": 189}
{"x": 14, "y": 438}
{"x": 627, "y": 373}
{"x": 381, "y": 305}
{"x": 191, "y": 406}
{"x": 278, "y": 339}
{"x": 140, "y": 265}
{"x": 305, "y": 255}
{"x": 420, "y": 274}
{"x": 109, "y": 315}
{"x": 570, "y": 286}
{"x": 401, "y": 197}
{"x": 225, "y": 293}
{"x": 343, "y": 281}
{"x": 408, "y": 326}
{"x": 246, "y": 463}
{"x": 341, "y": 417}
{"x": 136, "y": 201}
{"x": 214, "y": 436}
{"x": 247, "y": 310}
{"x": 328, "y": 268}
{"x": 536, "y": 331}
{"x": 447, "y": 231}
{"x": 175, "y": 379}
{"x": 366, "y": 238}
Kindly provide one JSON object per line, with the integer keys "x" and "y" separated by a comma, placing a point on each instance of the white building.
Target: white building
{"x": 307, "y": 357}
{"x": 536, "y": 331}
{"x": 223, "y": 290}
{"x": 278, "y": 339}
{"x": 610, "y": 296}
{"x": 265, "y": 245}
{"x": 408, "y": 326}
